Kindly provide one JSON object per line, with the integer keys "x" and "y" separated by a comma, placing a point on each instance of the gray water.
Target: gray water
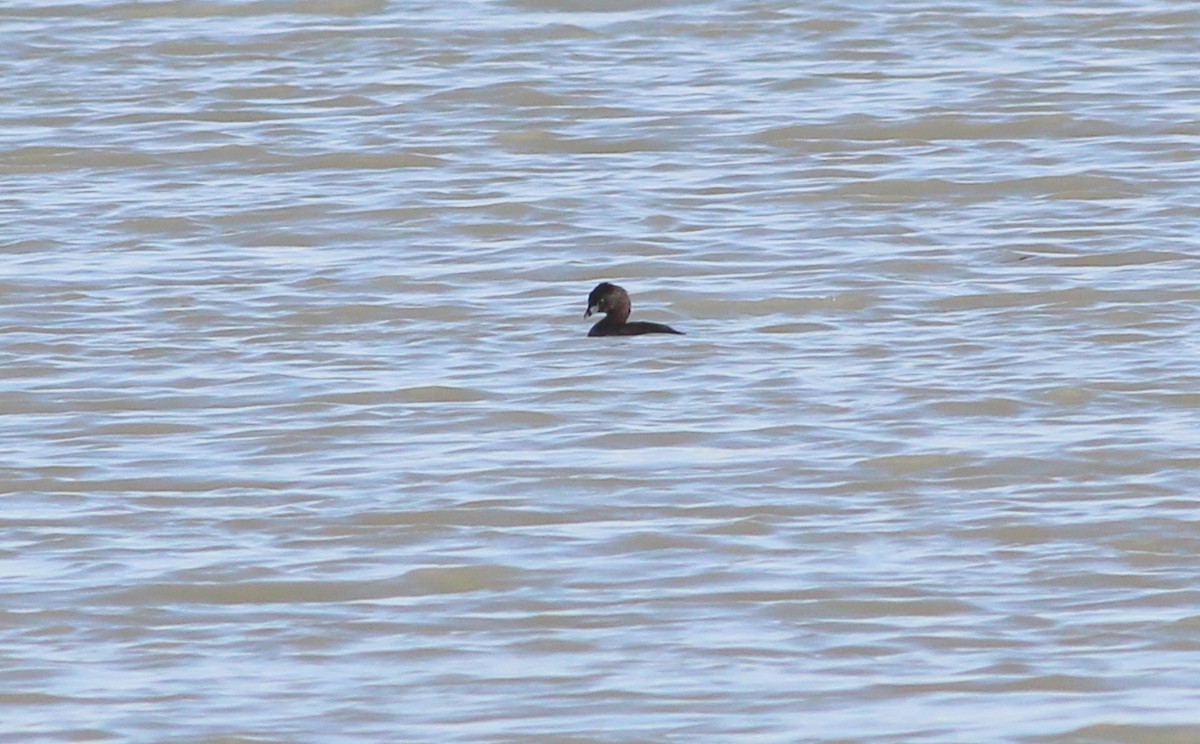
{"x": 303, "y": 439}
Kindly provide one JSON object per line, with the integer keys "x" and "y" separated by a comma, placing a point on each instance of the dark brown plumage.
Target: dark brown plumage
{"x": 614, "y": 302}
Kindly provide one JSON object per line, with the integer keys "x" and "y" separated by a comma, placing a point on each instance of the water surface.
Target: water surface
{"x": 302, "y": 438}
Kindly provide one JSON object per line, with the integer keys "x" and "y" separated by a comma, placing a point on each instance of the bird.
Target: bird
{"x": 614, "y": 302}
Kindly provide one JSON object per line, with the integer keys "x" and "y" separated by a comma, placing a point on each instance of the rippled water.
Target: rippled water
{"x": 303, "y": 440}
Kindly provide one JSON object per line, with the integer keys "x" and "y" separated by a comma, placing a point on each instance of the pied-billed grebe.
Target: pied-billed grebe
{"x": 614, "y": 302}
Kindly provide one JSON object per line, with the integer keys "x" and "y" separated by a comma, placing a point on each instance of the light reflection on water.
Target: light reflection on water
{"x": 302, "y": 437}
